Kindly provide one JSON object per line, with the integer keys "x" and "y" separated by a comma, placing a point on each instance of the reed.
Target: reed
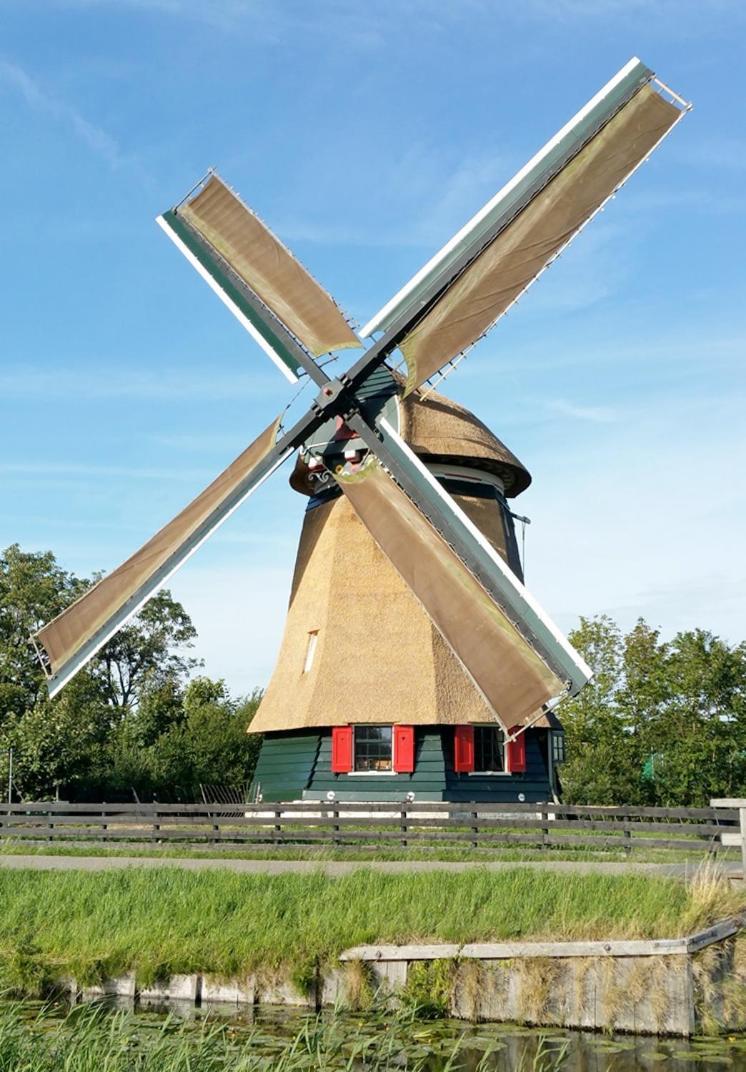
{"x": 90, "y": 1039}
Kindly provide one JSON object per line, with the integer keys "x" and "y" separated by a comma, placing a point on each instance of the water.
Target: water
{"x": 482, "y": 1047}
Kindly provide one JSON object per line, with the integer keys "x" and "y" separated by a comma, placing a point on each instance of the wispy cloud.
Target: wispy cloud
{"x": 593, "y": 267}
{"x": 74, "y": 470}
{"x": 41, "y": 100}
{"x": 370, "y": 23}
{"x": 420, "y": 198}
{"x": 594, "y": 414}
{"x": 719, "y": 153}
{"x": 164, "y": 383}
{"x": 268, "y": 20}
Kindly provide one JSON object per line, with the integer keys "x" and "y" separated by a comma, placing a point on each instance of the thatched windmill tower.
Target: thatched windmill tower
{"x": 414, "y": 659}
{"x": 361, "y": 660}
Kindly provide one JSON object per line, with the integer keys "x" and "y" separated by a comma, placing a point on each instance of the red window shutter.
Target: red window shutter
{"x": 517, "y": 752}
{"x": 341, "y": 749}
{"x": 404, "y": 749}
{"x": 463, "y": 749}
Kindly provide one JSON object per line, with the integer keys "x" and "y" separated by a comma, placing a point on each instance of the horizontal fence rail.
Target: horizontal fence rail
{"x": 386, "y": 825}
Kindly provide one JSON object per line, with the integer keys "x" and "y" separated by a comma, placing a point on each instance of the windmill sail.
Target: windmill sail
{"x": 240, "y": 258}
{"x": 513, "y": 653}
{"x": 71, "y": 639}
{"x": 471, "y": 282}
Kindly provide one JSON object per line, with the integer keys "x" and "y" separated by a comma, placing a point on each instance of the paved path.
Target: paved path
{"x": 337, "y": 867}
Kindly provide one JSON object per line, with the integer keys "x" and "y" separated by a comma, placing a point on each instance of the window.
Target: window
{"x": 558, "y": 746}
{"x": 373, "y": 748}
{"x": 310, "y": 650}
{"x": 489, "y": 750}
{"x": 482, "y": 750}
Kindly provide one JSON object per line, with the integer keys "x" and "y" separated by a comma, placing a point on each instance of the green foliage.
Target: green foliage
{"x": 92, "y": 1039}
{"x": 209, "y": 744}
{"x": 148, "y": 653}
{"x": 33, "y": 590}
{"x": 429, "y": 988}
{"x": 661, "y": 723}
{"x": 128, "y": 720}
{"x": 162, "y": 921}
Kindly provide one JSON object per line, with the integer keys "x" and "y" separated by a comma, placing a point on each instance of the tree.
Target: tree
{"x": 59, "y": 745}
{"x": 699, "y": 733}
{"x": 128, "y": 696}
{"x": 661, "y": 723}
{"x": 211, "y": 745}
{"x": 601, "y": 763}
{"x": 33, "y": 590}
{"x": 148, "y": 652}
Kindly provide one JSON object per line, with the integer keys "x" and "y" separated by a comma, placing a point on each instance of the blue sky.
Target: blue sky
{"x": 365, "y": 134}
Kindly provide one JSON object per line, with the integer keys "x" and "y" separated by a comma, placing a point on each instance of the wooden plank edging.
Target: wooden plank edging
{"x": 514, "y": 950}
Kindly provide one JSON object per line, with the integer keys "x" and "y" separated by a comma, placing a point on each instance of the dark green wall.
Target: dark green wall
{"x": 297, "y": 765}
{"x": 534, "y": 783}
{"x": 285, "y": 764}
{"x": 426, "y": 783}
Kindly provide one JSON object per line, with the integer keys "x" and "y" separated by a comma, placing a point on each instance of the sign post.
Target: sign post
{"x": 732, "y": 838}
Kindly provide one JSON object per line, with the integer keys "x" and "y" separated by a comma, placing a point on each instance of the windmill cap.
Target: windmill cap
{"x": 441, "y": 431}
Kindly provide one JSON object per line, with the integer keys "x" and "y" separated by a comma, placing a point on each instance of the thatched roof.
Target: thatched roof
{"x": 377, "y": 657}
{"x": 442, "y": 431}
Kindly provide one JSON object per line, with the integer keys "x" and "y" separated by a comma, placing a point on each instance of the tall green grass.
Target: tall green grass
{"x": 90, "y": 1040}
{"x": 93, "y": 1040}
{"x": 164, "y": 921}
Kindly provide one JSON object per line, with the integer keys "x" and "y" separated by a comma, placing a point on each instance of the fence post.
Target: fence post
{"x": 730, "y": 837}
{"x": 475, "y": 829}
{"x": 50, "y": 836}
{"x": 544, "y": 813}
{"x": 627, "y": 836}
{"x": 104, "y": 826}
{"x": 403, "y": 824}
{"x": 335, "y": 827}
{"x": 278, "y": 826}
{"x": 156, "y": 824}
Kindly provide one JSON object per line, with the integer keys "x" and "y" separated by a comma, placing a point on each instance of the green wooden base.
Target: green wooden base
{"x": 297, "y": 766}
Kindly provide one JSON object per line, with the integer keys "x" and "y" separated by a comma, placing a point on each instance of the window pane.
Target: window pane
{"x": 373, "y": 747}
{"x": 558, "y": 746}
{"x": 488, "y": 748}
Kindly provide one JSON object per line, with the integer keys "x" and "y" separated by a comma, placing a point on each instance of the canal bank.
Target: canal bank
{"x": 624, "y": 952}
{"x": 681, "y": 986}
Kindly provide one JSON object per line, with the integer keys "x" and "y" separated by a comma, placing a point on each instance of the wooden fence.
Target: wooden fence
{"x": 382, "y": 825}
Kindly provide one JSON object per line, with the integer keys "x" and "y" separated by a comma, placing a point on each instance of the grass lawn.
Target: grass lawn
{"x": 163, "y": 921}
{"x": 455, "y": 854}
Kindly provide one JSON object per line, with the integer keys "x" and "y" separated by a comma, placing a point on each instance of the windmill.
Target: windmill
{"x": 358, "y": 455}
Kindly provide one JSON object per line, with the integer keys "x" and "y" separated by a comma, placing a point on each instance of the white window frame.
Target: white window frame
{"x": 372, "y": 773}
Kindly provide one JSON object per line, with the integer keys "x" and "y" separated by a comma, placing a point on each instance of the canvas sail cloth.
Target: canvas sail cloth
{"x": 508, "y": 671}
{"x": 502, "y": 271}
{"x": 75, "y": 635}
{"x": 268, "y": 268}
